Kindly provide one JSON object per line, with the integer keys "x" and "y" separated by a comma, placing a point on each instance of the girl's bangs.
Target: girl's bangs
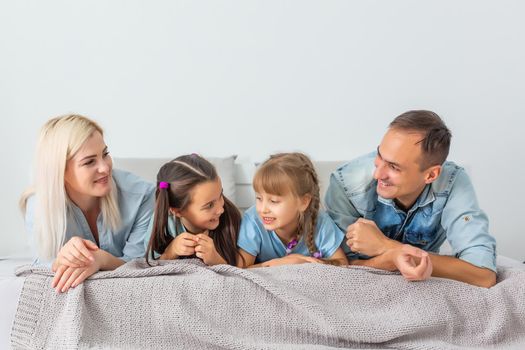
{"x": 272, "y": 180}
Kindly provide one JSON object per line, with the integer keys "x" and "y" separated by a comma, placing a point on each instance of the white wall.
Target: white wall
{"x": 253, "y": 77}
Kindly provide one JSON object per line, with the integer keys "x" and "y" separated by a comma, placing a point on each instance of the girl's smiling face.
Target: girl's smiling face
{"x": 280, "y": 213}
{"x": 205, "y": 208}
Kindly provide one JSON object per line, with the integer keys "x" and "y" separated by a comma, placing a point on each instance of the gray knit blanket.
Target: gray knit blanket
{"x": 187, "y": 305}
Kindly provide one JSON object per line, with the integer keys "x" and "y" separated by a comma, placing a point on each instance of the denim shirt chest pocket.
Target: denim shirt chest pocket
{"x": 424, "y": 229}
{"x": 388, "y": 220}
{"x": 365, "y": 201}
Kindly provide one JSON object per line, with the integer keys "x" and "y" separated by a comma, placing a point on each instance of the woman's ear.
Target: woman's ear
{"x": 304, "y": 202}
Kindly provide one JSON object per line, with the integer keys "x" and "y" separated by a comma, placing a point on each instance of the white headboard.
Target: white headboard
{"x": 242, "y": 175}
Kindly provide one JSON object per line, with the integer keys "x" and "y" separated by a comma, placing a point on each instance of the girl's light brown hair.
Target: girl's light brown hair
{"x": 294, "y": 173}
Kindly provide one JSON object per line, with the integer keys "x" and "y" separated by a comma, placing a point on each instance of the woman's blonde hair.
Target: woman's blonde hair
{"x": 60, "y": 138}
{"x": 294, "y": 173}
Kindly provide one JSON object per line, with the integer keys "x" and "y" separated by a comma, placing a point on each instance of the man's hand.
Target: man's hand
{"x": 364, "y": 237}
{"x": 413, "y": 263}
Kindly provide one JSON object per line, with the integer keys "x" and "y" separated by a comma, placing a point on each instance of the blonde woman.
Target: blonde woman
{"x": 83, "y": 215}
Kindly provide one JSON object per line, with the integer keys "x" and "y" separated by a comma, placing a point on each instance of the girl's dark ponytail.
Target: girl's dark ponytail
{"x": 160, "y": 237}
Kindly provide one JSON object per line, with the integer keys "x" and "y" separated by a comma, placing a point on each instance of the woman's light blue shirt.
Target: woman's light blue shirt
{"x": 265, "y": 245}
{"x": 136, "y": 199}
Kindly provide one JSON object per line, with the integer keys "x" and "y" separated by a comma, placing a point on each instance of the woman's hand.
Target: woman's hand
{"x": 77, "y": 252}
{"x": 205, "y": 250}
{"x": 69, "y": 277}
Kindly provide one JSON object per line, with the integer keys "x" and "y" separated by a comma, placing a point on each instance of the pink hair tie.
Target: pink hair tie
{"x": 164, "y": 184}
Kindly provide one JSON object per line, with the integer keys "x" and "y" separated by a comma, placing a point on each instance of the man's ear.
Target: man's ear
{"x": 432, "y": 174}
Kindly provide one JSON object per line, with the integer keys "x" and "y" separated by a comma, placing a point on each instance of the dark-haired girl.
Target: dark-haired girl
{"x": 192, "y": 217}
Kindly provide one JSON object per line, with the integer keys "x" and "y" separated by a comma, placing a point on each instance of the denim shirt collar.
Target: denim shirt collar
{"x": 426, "y": 197}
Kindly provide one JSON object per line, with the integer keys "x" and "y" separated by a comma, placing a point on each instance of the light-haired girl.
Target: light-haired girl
{"x": 83, "y": 215}
{"x": 192, "y": 217}
{"x": 285, "y": 226}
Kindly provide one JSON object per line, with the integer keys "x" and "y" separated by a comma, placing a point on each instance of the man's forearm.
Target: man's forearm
{"x": 382, "y": 262}
{"x": 443, "y": 266}
{"x": 459, "y": 270}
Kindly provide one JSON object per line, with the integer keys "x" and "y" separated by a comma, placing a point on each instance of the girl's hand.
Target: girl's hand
{"x": 69, "y": 277}
{"x": 291, "y": 259}
{"x": 77, "y": 252}
{"x": 183, "y": 245}
{"x": 413, "y": 263}
{"x": 205, "y": 250}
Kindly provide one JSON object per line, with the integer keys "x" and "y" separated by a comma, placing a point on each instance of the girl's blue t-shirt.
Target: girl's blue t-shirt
{"x": 266, "y": 245}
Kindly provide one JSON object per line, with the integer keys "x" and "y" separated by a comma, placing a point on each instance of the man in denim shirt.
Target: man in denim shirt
{"x": 405, "y": 199}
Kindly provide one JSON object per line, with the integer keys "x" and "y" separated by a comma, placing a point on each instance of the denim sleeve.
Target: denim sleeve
{"x": 330, "y": 236}
{"x": 341, "y": 210}
{"x": 338, "y": 206}
{"x": 466, "y": 226}
{"x": 135, "y": 247}
{"x": 250, "y": 236}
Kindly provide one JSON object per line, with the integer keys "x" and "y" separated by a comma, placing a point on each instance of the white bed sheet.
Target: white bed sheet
{"x": 11, "y": 285}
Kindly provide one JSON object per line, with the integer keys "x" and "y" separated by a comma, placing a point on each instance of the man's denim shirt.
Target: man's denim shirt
{"x": 446, "y": 209}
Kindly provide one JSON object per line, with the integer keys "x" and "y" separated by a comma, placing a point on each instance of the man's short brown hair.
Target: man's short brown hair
{"x": 435, "y": 143}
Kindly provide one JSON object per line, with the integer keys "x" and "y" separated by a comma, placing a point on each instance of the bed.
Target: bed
{"x": 10, "y": 288}
{"x": 185, "y": 304}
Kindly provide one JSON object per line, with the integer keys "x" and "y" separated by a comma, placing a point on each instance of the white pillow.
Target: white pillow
{"x": 147, "y": 168}
{"x": 226, "y": 170}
